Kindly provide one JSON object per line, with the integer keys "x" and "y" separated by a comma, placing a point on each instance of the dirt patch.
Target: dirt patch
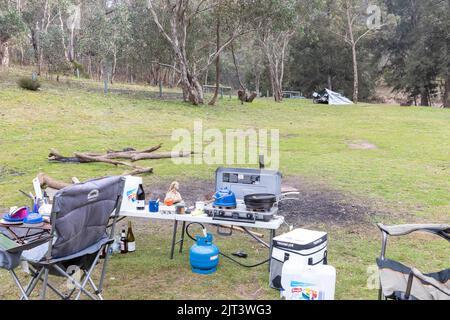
{"x": 318, "y": 203}
{"x": 361, "y": 145}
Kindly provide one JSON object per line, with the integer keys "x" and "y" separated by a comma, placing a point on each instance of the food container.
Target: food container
{"x": 180, "y": 209}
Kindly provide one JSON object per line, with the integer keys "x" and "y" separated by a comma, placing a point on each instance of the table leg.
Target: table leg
{"x": 174, "y": 238}
{"x": 272, "y": 235}
{"x": 182, "y": 236}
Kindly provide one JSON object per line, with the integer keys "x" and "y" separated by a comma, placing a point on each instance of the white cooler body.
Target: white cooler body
{"x": 129, "y": 193}
{"x": 301, "y": 247}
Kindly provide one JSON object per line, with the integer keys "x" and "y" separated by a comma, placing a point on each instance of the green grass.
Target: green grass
{"x": 409, "y": 172}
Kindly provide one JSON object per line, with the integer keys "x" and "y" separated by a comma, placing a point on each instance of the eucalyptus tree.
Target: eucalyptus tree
{"x": 176, "y": 20}
{"x": 278, "y": 23}
{"x": 11, "y": 25}
{"x": 355, "y": 20}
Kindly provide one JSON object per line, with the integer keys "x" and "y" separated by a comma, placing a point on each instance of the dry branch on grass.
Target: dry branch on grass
{"x": 115, "y": 158}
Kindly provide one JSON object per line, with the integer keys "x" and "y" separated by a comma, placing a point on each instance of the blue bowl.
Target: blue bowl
{"x": 33, "y": 218}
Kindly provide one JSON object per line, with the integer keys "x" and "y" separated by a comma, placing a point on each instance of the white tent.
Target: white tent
{"x": 337, "y": 98}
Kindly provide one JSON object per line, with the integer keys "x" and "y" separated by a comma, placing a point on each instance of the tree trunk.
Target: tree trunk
{"x": 4, "y": 54}
{"x": 355, "y": 76}
{"x": 216, "y": 90}
{"x": 35, "y": 43}
{"x": 71, "y": 49}
{"x": 237, "y": 68}
{"x": 114, "y": 67}
{"x": 278, "y": 92}
{"x": 446, "y": 96}
{"x": 424, "y": 102}
{"x": 353, "y": 43}
{"x": 257, "y": 82}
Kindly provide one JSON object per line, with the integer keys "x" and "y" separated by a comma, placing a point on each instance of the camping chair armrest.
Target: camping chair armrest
{"x": 429, "y": 280}
{"x": 31, "y": 245}
{"x": 404, "y": 229}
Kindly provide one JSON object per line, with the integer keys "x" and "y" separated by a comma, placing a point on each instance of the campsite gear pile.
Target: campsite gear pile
{"x": 327, "y": 96}
{"x": 298, "y": 261}
{"x": 399, "y": 282}
{"x": 245, "y": 195}
{"x": 297, "y": 266}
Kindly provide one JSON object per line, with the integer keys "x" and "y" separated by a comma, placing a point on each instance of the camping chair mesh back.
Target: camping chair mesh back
{"x": 80, "y": 218}
{"x": 400, "y": 282}
{"x": 82, "y": 214}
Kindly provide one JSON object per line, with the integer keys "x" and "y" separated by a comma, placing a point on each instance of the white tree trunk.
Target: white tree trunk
{"x": 4, "y": 54}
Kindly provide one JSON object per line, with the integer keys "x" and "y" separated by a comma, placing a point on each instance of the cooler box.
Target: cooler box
{"x": 304, "y": 247}
{"x": 129, "y": 193}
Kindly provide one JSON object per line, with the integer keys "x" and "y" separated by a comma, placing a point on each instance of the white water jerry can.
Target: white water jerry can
{"x": 129, "y": 197}
{"x": 303, "y": 282}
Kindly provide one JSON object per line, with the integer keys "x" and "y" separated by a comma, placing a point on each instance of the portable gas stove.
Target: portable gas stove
{"x": 245, "y": 195}
{"x": 240, "y": 213}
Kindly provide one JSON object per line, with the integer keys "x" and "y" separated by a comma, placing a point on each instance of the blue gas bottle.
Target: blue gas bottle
{"x": 204, "y": 255}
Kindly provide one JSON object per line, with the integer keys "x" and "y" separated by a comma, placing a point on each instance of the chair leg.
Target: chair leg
{"x": 97, "y": 292}
{"x": 105, "y": 263}
{"x": 19, "y": 285}
{"x": 36, "y": 276}
{"x": 88, "y": 274}
{"x": 75, "y": 282}
{"x": 94, "y": 287}
{"x": 44, "y": 285}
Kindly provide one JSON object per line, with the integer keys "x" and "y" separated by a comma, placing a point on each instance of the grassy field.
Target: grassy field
{"x": 407, "y": 175}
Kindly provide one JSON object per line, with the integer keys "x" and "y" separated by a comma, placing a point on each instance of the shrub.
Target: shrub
{"x": 29, "y": 84}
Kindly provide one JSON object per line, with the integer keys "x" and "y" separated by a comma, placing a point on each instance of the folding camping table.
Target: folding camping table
{"x": 168, "y": 214}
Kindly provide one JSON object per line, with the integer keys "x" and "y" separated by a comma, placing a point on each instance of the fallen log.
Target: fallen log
{"x": 136, "y": 169}
{"x": 129, "y": 154}
{"x": 55, "y": 155}
{"x": 163, "y": 155}
{"x": 115, "y": 158}
{"x": 46, "y": 181}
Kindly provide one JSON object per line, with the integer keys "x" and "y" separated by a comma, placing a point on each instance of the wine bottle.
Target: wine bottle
{"x": 123, "y": 242}
{"x": 131, "y": 242}
{"x": 140, "y": 198}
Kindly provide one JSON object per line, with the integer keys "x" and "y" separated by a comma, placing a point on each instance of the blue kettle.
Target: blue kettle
{"x": 225, "y": 198}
